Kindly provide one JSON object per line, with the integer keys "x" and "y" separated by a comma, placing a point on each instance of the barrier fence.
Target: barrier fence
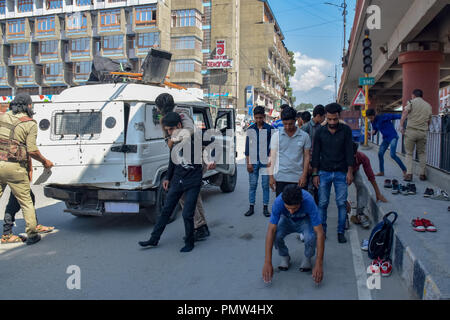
{"x": 438, "y": 143}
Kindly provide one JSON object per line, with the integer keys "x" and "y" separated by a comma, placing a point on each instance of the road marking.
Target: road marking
{"x": 359, "y": 266}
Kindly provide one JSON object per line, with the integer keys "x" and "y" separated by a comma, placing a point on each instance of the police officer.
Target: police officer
{"x": 18, "y": 132}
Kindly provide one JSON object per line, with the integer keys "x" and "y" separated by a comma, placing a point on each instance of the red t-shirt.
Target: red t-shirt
{"x": 362, "y": 159}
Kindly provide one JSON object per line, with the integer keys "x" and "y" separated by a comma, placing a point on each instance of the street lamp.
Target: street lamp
{"x": 344, "y": 14}
{"x": 335, "y": 82}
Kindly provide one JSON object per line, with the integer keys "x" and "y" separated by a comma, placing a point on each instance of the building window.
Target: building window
{"x": 19, "y": 49}
{"x": 24, "y": 73}
{"x": 3, "y": 75}
{"x": 186, "y": 18}
{"x": 2, "y": 6}
{"x": 54, "y": 4}
{"x": 110, "y": 18}
{"x": 112, "y": 43}
{"x": 16, "y": 26}
{"x": 82, "y": 70}
{"x": 48, "y": 47}
{"x": 186, "y": 66}
{"x": 145, "y": 16}
{"x": 45, "y": 25}
{"x": 85, "y": 2}
{"x": 181, "y": 43}
{"x": 147, "y": 40}
{"x": 80, "y": 46}
{"x": 53, "y": 72}
{"x": 76, "y": 21}
{"x": 25, "y": 5}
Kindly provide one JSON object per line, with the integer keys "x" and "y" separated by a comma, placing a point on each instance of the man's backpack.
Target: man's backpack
{"x": 382, "y": 237}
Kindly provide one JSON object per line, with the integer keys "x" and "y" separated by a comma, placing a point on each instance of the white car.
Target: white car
{"x": 108, "y": 150}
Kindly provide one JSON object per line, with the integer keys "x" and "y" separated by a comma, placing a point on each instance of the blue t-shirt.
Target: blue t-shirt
{"x": 277, "y": 124}
{"x": 383, "y": 123}
{"x": 307, "y": 208}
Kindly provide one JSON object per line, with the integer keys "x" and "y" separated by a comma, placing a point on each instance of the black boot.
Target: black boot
{"x": 201, "y": 233}
{"x": 250, "y": 211}
{"x": 187, "y": 247}
{"x": 152, "y": 242}
{"x": 33, "y": 240}
{"x": 266, "y": 211}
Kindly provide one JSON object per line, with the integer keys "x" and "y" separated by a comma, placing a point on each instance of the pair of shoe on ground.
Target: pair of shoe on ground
{"x": 422, "y": 225}
{"x": 382, "y": 266}
{"x": 251, "y": 211}
{"x": 397, "y": 188}
{"x": 285, "y": 263}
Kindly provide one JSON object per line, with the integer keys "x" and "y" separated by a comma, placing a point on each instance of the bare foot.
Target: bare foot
{"x": 380, "y": 174}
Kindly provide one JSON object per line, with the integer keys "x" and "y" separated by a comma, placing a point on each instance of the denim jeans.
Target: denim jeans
{"x": 253, "y": 182}
{"x": 176, "y": 191}
{"x": 383, "y": 147}
{"x": 287, "y": 226}
{"x": 12, "y": 208}
{"x": 341, "y": 189}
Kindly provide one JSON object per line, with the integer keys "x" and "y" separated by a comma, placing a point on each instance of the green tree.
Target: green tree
{"x": 304, "y": 106}
{"x": 291, "y": 73}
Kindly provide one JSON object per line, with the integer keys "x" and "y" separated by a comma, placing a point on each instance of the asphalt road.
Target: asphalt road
{"x": 226, "y": 266}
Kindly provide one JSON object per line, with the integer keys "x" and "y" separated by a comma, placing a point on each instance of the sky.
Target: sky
{"x": 314, "y": 31}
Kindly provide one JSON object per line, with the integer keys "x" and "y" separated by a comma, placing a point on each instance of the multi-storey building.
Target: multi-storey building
{"x": 49, "y": 45}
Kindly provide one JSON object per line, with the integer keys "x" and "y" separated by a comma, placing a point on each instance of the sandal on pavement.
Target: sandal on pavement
{"x": 11, "y": 238}
{"x": 429, "y": 226}
{"x": 418, "y": 225}
{"x": 43, "y": 229}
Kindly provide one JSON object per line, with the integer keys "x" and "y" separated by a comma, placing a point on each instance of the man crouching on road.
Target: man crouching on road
{"x": 295, "y": 211}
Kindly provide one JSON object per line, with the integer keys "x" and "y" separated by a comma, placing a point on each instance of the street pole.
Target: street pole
{"x": 366, "y": 122}
{"x": 335, "y": 84}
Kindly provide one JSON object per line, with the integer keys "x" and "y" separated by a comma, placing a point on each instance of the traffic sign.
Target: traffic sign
{"x": 360, "y": 98}
{"x": 366, "y": 81}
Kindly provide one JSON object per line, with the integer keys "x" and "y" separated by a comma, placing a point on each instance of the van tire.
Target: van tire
{"x": 152, "y": 213}
{"x": 229, "y": 182}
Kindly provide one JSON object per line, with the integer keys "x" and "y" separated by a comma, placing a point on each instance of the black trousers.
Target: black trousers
{"x": 176, "y": 191}
{"x": 12, "y": 208}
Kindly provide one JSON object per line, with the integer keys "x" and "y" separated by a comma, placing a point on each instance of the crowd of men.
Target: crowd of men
{"x": 299, "y": 158}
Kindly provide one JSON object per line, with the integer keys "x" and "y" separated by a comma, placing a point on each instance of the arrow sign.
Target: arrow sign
{"x": 360, "y": 98}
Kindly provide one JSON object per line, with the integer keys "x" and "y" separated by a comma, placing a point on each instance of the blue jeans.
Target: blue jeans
{"x": 253, "y": 182}
{"x": 340, "y": 188}
{"x": 383, "y": 147}
{"x": 287, "y": 226}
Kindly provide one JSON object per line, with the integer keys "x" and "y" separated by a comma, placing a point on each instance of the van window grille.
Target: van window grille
{"x": 77, "y": 123}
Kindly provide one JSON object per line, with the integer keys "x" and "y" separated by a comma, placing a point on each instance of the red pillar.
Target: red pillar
{"x": 421, "y": 70}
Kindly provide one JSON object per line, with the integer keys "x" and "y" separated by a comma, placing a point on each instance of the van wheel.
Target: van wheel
{"x": 152, "y": 213}
{"x": 229, "y": 182}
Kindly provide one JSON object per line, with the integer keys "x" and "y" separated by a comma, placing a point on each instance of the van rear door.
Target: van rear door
{"x": 77, "y": 138}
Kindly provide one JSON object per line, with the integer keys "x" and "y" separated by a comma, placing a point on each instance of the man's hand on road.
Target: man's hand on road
{"x": 165, "y": 184}
{"x": 317, "y": 273}
{"x": 250, "y": 168}
{"x": 211, "y": 166}
{"x": 48, "y": 164}
{"x": 272, "y": 183}
{"x": 267, "y": 272}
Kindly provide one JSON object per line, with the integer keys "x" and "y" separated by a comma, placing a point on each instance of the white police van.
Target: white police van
{"x": 108, "y": 150}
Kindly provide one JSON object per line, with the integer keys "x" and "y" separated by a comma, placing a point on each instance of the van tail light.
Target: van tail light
{"x": 135, "y": 173}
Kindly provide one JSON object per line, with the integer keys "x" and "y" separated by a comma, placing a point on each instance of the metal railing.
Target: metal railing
{"x": 438, "y": 142}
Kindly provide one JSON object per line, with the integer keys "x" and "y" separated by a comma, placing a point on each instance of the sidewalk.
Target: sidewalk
{"x": 422, "y": 259}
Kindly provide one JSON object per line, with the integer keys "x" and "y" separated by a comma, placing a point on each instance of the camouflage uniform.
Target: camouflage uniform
{"x": 18, "y": 135}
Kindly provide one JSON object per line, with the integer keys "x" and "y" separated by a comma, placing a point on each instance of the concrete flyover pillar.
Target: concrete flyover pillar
{"x": 421, "y": 70}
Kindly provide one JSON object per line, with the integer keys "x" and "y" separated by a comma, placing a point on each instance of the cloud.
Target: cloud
{"x": 311, "y": 73}
{"x": 329, "y": 87}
